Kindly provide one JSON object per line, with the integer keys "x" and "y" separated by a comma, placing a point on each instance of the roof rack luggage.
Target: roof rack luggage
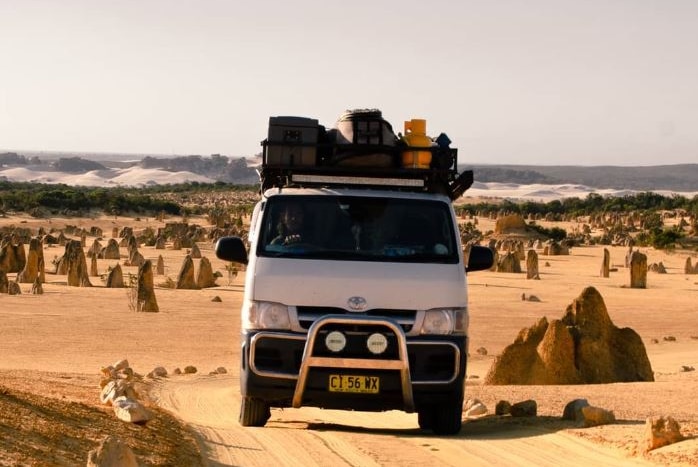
{"x": 299, "y": 152}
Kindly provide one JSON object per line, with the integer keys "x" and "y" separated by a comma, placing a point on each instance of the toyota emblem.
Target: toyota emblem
{"x": 356, "y": 303}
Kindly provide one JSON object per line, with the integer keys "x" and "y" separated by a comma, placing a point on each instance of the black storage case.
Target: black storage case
{"x": 292, "y": 141}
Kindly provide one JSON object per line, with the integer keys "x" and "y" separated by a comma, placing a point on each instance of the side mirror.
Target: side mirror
{"x": 231, "y": 249}
{"x": 480, "y": 258}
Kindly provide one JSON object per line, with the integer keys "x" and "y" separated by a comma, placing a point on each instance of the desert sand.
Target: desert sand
{"x": 52, "y": 347}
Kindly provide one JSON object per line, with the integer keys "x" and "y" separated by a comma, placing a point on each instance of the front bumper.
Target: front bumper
{"x": 293, "y": 370}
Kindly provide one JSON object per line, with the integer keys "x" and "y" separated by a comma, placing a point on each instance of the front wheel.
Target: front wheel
{"x": 253, "y": 412}
{"x": 447, "y": 417}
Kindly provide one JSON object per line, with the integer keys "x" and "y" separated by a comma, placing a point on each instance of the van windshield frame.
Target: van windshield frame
{"x": 358, "y": 228}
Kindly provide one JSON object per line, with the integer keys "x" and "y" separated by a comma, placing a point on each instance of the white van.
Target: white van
{"x": 355, "y": 295}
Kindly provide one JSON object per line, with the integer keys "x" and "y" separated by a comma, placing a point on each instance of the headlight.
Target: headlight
{"x": 265, "y": 315}
{"x": 445, "y": 321}
{"x": 377, "y": 343}
{"x": 335, "y": 341}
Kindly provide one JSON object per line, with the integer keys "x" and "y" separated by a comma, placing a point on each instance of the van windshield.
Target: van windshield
{"x": 357, "y": 228}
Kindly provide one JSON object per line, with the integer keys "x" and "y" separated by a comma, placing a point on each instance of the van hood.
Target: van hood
{"x": 304, "y": 282}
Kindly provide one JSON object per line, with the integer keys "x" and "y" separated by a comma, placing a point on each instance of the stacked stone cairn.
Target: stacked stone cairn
{"x": 118, "y": 390}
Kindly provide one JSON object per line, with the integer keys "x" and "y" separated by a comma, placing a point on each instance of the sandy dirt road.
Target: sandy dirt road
{"x": 309, "y": 436}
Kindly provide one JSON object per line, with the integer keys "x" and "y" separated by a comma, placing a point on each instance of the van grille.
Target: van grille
{"x": 307, "y": 315}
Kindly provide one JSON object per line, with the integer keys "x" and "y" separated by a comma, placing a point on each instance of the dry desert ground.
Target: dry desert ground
{"x": 53, "y": 345}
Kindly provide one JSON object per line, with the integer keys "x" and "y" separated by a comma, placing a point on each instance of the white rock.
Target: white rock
{"x": 130, "y": 410}
{"x": 117, "y": 388}
{"x": 477, "y": 410}
{"x": 471, "y": 402}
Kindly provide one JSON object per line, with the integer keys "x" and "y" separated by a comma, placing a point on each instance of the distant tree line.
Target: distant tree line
{"x": 592, "y": 204}
{"x": 679, "y": 177}
{"x": 217, "y": 167}
{"x": 506, "y": 175}
{"x": 648, "y": 204}
{"x": 12, "y": 158}
{"x": 42, "y": 199}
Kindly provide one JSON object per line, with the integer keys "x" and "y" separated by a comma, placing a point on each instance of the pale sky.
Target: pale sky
{"x": 544, "y": 82}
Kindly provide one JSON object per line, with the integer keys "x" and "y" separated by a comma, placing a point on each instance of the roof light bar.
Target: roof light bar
{"x": 344, "y": 180}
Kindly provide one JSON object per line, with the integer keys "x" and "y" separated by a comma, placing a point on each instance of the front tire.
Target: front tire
{"x": 253, "y": 412}
{"x": 425, "y": 418}
{"x": 447, "y": 417}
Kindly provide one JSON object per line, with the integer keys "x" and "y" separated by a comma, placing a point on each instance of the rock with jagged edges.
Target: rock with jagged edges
{"x": 661, "y": 431}
{"x": 205, "y": 277}
{"x": 584, "y": 347}
{"x": 33, "y": 266}
{"x": 185, "y": 278}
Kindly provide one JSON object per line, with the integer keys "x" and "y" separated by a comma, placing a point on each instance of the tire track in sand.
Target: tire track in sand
{"x": 310, "y": 436}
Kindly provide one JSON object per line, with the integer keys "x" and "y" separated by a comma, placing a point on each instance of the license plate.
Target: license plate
{"x": 359, "y": 384}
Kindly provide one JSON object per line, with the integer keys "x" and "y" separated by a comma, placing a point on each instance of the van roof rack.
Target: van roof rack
{"x": 361, "y": 174}
{"x": 363, "y": 152}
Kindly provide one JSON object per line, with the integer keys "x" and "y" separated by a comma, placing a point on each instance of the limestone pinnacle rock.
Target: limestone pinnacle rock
{"x": 31, "y": 266}
{"x": 638, "y": 270}
{"x": 145, "y": 289}
{"x": 185, "y": 278}
{"x": 76, "y": 264}
{"x": 115, "y": 278}
{"x": 205, "y": 277}
{"x": 584, "y": 347}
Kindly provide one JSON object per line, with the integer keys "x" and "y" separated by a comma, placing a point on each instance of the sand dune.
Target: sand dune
{"x": 128, "y": 177}
{"x": 137, "y": 177}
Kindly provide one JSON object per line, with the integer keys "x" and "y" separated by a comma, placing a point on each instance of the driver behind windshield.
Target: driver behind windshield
{"x": 290, "y": 226}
